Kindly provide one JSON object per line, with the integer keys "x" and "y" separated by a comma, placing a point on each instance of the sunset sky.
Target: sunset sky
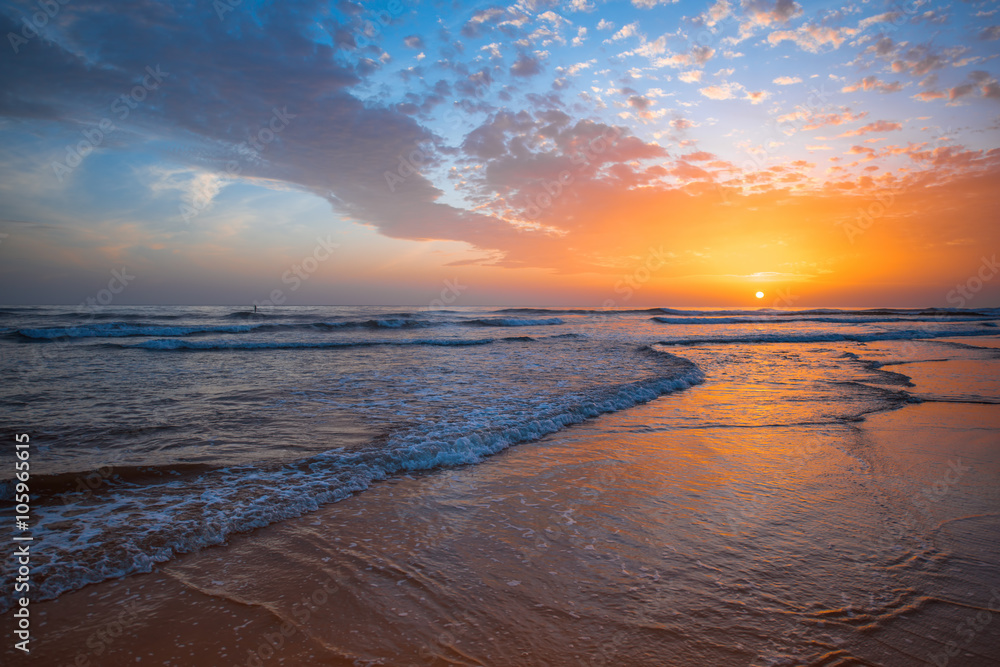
{"x": 578, "y": 153}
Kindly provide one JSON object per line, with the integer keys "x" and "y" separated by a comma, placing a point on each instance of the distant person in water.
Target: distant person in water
{"x": 255, "y": 308}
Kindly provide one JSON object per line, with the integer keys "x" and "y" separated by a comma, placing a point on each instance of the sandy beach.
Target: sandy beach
{"x": 654, "y": 536}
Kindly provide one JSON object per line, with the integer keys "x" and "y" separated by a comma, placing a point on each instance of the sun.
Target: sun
{"x": 760, "y": 295}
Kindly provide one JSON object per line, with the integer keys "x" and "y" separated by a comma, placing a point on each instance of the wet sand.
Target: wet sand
{"x": 633, "y": 539}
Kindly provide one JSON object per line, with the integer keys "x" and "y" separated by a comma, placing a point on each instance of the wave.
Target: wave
{"x": 387, "y": 323}
{"x": 125, "y": 329}
{"x": 512, "y": 322}
{"x": 875, "y": 319}
{"x": 65, "y": 485}
{"x": 135, "y": 329}
{"x": 934, "y": 313}
{"x": 576, "y": 311}
{"x": 828, "y": 337}
{"x": 209, "y": 507}
{"x": 175, "y": 344}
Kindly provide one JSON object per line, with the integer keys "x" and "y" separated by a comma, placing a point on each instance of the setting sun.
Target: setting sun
{"x": 760, "y": 295}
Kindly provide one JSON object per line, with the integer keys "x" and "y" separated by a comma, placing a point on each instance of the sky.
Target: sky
{"x": 584, "y": 153}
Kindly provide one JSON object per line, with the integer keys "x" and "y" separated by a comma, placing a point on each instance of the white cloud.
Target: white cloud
{"x": 722, "y": 91}
{"x": 787, "y": 80}
{"x": 626, "y": 32}
{"x": 493, "y": 48}
{"x": 576, "y": 68}
{"x": 812, "y": 37}
{"x": 720, "y": 11}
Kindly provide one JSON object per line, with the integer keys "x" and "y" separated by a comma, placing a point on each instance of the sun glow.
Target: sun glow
{"x": 760, "y": 295}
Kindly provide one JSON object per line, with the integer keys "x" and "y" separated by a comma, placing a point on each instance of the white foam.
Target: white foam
{"x": 154, "y": 522}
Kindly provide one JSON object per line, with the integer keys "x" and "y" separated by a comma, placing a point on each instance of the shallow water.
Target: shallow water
{"x": 259, "y": 423}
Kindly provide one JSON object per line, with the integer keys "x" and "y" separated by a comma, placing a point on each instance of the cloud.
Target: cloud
{"x": 717, "y": 13}
{"x": 581, "y": 36}
{"x": 877, "y": 126}
{"x": 873, "y": 83}
{"x": 990, "y": 33}
{"x": 639, "y": 102}
{"x": 605, "y": 24}
{"x": 804, "y": 119}
{"x": 722, "y": 91}
{"x": 886, "y": 17}
{"x": 930, "y": 95}
{"x": 626, "y": 32}
{"x": 576, "y": 68}
{"x": 650, "y": 49}
{"x": 689, "y": 172}
{"x": 340, "y": 146}
{"x": 978, "y": 82}
{"x": 760, "y": 14}
{"x": 526, "y": 66}
{"x": 812, "y": 37}
{"x": 922, "y": 59}
{"x": 696, "y": 57}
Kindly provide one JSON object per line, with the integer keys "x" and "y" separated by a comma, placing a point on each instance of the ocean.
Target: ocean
{"x": 161, "y": 431}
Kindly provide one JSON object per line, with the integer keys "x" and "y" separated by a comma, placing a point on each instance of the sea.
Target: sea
{"x": 157, "y": 431}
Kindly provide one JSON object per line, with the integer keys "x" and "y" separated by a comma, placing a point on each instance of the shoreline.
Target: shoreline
{"x": 597, "y": 545}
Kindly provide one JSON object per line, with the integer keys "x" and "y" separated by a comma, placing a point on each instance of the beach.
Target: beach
{"x": 805, "y": 504}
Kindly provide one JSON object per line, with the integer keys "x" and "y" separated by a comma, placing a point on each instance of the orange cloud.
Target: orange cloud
{"x": 873, "y": 83}
{"x": 877, "y": 126}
